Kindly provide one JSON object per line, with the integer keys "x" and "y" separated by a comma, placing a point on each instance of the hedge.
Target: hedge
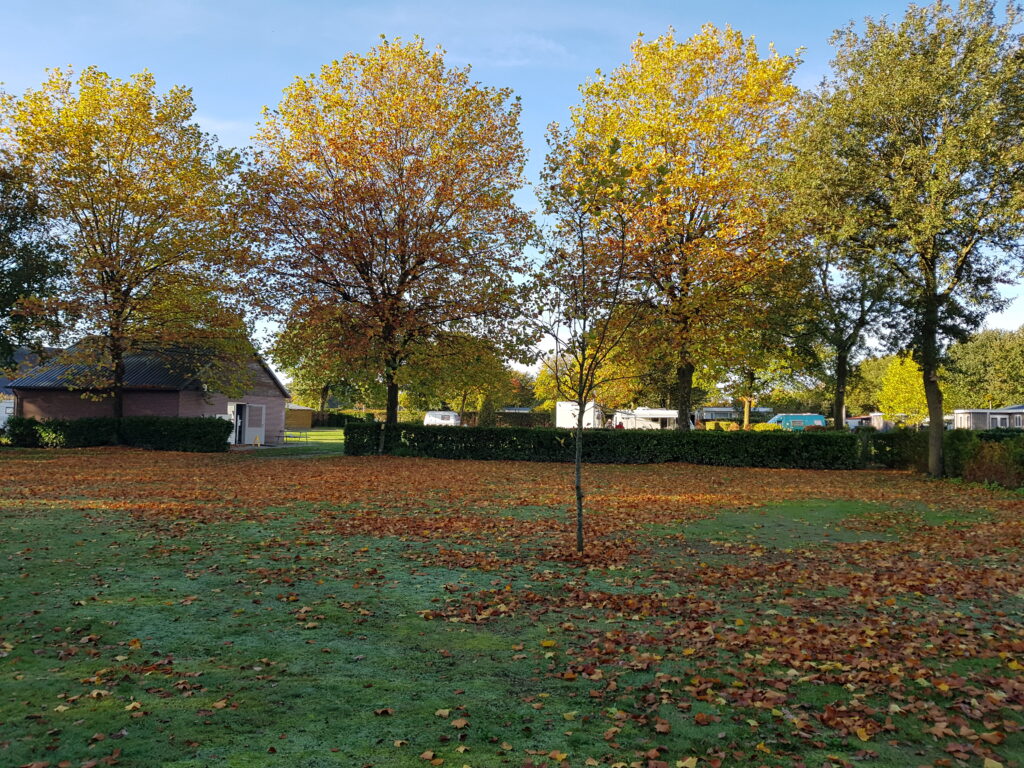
{"x": 991, "y": 455}
{"x": 198, "y": 435}
{"x": 822, "y": 450}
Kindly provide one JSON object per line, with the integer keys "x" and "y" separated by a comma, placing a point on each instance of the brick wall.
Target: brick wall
{"x": 61, "y": 404}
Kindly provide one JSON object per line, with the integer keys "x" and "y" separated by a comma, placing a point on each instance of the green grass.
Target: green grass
{"x": 279, "y": 643}
{"x": 323, "y": 441}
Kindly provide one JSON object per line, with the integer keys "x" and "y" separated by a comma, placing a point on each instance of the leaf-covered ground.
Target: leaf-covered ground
{"x": 163, "y": 609}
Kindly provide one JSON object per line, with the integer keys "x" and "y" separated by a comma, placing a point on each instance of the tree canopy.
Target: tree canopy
{"x": 140, "y": 199}
{"x": 917, "y": 151}
{"x": 382, "y": 187}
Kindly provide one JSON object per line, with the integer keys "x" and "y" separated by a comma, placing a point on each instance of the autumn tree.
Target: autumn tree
{"x": 383, "y": 189}
{"x": 916, "y": 141}
{"x": 140, "y": 198}
{"x": 29, "y": 263}
{"x": 692, "y": 128}
{"x": 588, "y": 299}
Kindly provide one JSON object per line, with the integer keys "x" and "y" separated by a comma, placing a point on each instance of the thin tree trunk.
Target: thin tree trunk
{"x": 579, "y": 476}
{"x": 684, "y": 393}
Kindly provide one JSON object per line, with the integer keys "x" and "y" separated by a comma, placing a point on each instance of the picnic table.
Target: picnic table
{"x": 296, "y": 435}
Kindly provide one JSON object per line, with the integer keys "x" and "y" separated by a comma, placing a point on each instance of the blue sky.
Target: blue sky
{"x": 238, "y": 56}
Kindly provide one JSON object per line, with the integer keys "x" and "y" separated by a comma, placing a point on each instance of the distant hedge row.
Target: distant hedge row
{"x": 985, "y": 456}
{"x": 198, "y": 435}
{"x": 815, "y": 450}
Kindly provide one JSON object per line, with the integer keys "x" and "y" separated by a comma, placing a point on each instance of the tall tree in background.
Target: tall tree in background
{"x": 462, "y": 373}
{"x": 383, "y": 187}
{"x": 843, "y": 302}
{"x": 986, "y": 371}
{"x": 140, "y": 199}
{"x": 693, "y": 128}
{"x": 917, "y": 140}
{"x": 29, "y": 263}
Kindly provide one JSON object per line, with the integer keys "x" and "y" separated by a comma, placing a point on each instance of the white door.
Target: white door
{"x": 232, "y": 418}
{"x": 255, "y": 428}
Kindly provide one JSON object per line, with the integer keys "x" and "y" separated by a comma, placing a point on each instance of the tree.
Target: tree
{"x": 693, "y": 128}
{"x": 986, "y": 371}
{"x": 917, "y": 141}
{"x": 902, "y": 395}
{"x": 461, "y": 373}
{"x": 587, "y": 298}
{"x": 140, "y": 198}
{"x": 866, "y": 384}
{"x": 29, "y": 263}
{"x": 842, "y": 301}
{"x": 383, "y": 190}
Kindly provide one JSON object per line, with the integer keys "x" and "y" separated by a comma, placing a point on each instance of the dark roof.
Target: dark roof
{"x": 24, "y": 360}
{"x": 143, "y": 370}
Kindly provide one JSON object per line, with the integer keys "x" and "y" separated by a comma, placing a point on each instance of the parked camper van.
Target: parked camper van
{"x": 798, "y": 422}
{"x": 566, "y": 412}
{"x": 441, "y": 419}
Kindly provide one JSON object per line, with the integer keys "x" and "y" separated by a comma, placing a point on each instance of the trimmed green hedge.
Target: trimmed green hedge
{"x": 198, "y": 435}
{"x": 822, "y": 450}
{"x": 991, "y": 455}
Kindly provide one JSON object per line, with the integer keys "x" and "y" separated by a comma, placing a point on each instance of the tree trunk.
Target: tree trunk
{"x": 932, "y": 392}
{"x": 117, "y": 383}
{"x": 839, "y": 401}
{"x": 391, "y": 415}
{"x": 325, "y": 393}
{"x": 579, "y": 476}
{"x": 684, "y": 393}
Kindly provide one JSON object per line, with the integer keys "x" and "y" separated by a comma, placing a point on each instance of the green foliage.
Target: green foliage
{"x": 985, "y": 371}
{"x": 902, "y": 395}
{"x": 899, "y": 449}
{"x": 823, "y": 450}
{"x": 162, "y": 433}
{"x": 28, "y": 265}
{"x": 721, "y": 426}
{"x": 988, "y": 456}
{"x": 340, "y": 419}
{"x": 997, "y": 461}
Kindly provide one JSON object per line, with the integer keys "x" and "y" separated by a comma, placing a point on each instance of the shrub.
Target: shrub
{"x": 164, "y": 433}
{"x": 199, "y": 435}
{"x": 766, "y": 427}
{"x": 825, "y": 450}
{"x": 900, "y": 449}
{"x": 1000, "y": 462}
{"x": 21, "y": 432}
{"x": 721, "y": 426}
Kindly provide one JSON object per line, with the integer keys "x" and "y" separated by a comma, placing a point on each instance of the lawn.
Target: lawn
{"x": 162, "y": 609}
{"x": 319, "y": 441}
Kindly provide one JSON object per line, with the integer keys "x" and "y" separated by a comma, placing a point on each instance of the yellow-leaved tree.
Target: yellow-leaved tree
{"x": 383, "y": 189}
{"x": 140, "y": 200}
{"x": 690, "y": 132}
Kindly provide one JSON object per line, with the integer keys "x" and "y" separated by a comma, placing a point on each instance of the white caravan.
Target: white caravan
{"x": 441, "y": 419}
{"x": 646, "y": 418}
{"x": 566, "y": 413}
